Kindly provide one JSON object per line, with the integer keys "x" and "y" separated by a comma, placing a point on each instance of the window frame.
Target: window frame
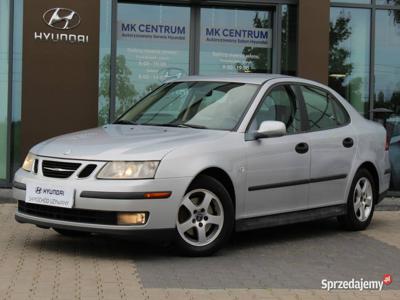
{"x": 297, "y": 86}
{"x": 290, "y": 87}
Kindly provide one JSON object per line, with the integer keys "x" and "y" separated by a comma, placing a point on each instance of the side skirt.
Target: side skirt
{"x": 291, "y": 217}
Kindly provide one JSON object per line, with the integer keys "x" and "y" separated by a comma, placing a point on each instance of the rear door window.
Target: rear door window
{"x": 323, "y": 111}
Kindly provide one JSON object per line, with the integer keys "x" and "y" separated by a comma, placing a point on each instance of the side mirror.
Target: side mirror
{"x": 270, "y": 129}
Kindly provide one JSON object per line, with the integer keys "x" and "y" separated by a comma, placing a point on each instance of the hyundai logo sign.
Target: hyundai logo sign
{"x": 62, "y": 18}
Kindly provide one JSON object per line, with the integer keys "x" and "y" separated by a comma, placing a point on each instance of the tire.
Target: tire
{"x": 205, "y": 218}
{"x": 360, "y": 203}
{"x": 71, "y": 233}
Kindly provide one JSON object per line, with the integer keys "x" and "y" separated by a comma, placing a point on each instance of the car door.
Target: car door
{"x": 332, "y": 146}
{"x": 278, "y": 168}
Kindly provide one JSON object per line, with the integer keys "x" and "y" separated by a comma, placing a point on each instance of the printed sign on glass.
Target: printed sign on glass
{"x": 245, "y": 37}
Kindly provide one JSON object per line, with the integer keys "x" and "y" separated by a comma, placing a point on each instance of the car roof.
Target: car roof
{"x": 242, "y": 78}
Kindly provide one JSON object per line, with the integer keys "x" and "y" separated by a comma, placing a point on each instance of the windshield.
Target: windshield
{"x": 204, "y": 105}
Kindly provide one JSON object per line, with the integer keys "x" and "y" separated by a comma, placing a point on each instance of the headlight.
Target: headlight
{"x": 28, "y": 162}
{"x": 129, "y": 170}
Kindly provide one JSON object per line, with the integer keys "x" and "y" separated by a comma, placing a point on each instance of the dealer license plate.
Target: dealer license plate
{"x": 51, "y": 195}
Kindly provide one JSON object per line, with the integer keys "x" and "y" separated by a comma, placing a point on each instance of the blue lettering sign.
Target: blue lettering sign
{"x": 213, "y": 31}
{"x": 264, "y": 35}
{"x": 128, "y": 27}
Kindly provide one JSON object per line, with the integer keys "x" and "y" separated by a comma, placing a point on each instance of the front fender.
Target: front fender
{"x": 226, "y": 154}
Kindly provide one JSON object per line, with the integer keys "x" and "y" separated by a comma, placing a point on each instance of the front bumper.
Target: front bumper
{"x": 131, "y": 231}
{"x": 162, "y": 212}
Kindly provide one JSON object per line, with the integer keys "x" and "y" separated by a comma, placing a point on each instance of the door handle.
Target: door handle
{"x": 302, "y": 148}
{"x": 348, "y": 142}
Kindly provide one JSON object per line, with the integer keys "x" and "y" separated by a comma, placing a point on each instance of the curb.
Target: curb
{"x": 6, "y": 196}
{"x": 389, "y": 204}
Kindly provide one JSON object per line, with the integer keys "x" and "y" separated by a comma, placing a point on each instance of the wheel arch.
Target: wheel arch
{"x": 370, "y": 167}
{"x": 223, "y": 177}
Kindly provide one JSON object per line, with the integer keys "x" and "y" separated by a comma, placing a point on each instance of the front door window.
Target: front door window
{"x": 279, "y": 105}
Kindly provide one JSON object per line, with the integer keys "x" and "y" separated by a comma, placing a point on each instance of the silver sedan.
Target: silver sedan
{"x": 202, "y": 157}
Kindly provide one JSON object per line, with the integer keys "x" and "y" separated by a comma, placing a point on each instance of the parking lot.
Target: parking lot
{"x": 281, "y": 263}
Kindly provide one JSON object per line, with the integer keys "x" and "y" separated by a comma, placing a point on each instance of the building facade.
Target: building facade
{"x": 67, "y": 65}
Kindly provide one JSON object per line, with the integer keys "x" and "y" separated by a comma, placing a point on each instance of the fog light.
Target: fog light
{"x": 132, "y": 218}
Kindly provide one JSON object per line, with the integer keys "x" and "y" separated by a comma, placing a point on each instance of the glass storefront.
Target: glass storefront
{"x": 4, "y": 84}
{"x": 157, "y": 42}
{"x": 234, "y": 40}
{"x": 144, "y": 44}
{"x": 387, "y": 81}
{"x": 387, "y": 60}
{"x": 365, "y": 64}
{"x": 152, "y": 47}
{"x": 349, "y": 55}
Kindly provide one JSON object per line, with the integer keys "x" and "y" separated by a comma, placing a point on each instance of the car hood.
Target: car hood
{"x": 123, "y": 142}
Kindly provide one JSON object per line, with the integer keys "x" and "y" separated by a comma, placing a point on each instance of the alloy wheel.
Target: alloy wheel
{"x": 200, "y": 217}
{"x": 363, "y": 199}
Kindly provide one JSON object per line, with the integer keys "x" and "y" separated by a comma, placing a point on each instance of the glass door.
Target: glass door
{"x": 236, "y": 41}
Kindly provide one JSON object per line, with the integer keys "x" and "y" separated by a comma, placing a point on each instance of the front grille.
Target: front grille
{"x": 87, "y": 171}
{"x": 67, "y": 214}
{"x": 58, "y": 169}
{"x": 36, "y": 166}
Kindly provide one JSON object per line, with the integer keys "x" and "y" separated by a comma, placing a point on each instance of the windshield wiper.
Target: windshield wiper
{"x": 124, "y": 122}
{"x": 192, "y": 126}
{"x": 178, "y": 125}
{"x": 160, "y": 125}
